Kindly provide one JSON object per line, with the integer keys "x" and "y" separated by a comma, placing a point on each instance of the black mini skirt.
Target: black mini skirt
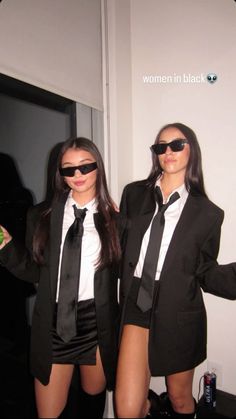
{"x": 81, "y": 349}
{"x": 133, "y": 314}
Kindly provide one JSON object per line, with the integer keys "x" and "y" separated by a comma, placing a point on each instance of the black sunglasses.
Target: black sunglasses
{"x": 175, "y": 145}
{"x": 84, "y": 169}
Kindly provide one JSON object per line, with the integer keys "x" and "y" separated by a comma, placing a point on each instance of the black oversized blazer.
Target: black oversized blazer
{"x": 178, "y": 330}
{"x": 17, "y": 259}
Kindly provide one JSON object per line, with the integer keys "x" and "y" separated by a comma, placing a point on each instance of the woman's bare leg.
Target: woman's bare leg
{"x": 93, "y": 380}
{"x": 51, "y": 399}
{"x": 180, "y": 391}
{"x": 133, "y": 375}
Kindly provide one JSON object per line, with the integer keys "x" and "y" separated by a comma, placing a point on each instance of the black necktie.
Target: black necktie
{"x": 69, "y": 278}
{"x": 145, "y": 294}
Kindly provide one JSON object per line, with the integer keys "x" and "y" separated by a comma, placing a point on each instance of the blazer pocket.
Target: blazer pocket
{"x": 186, "y": 318}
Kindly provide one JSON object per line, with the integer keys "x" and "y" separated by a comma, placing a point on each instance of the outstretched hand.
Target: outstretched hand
{"x": 5, "y": 237}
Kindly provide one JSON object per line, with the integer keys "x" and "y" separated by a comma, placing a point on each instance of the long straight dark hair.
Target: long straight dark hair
{"x": 194, "y": 181}
{"x": 108, "y": 233}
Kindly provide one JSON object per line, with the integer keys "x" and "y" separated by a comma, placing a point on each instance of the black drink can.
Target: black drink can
{"x": 210, "y": 389}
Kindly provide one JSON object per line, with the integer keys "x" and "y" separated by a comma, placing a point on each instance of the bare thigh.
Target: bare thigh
{"x": 51, "y": 399}
{"x": 93, "y": 380}
{"x": 133, "y": 375}
{"x": 180, "y": 391}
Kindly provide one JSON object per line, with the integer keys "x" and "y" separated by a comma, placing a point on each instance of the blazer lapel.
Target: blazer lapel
{"x": 55, "y": 240}
{"x": 148, "y": 201}
{"x": 183, "y": 226}
{"x": 138, "y": 227}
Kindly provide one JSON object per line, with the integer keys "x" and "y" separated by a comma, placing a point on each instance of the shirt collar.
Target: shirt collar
{"x": 91, "y": 205}
{"x": 183, "y": 193}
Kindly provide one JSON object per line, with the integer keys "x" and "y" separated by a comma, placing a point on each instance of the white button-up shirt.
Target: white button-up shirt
{"x": 172, "y": 215}
{"x": 90, "y": 249}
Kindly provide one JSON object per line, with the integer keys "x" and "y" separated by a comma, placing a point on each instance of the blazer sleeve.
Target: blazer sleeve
{"x": 123, "y": 202}
{"x": 18, "y": 259}
{"x": 216, "y": 279}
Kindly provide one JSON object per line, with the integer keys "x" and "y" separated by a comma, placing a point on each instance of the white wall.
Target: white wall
{"x": 177, "y": 38}
{"x": 54, "y": 45}
{"x": 117, "y": 93}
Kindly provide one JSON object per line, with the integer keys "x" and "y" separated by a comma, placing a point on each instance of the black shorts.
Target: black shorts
{"x": 133, "y": 314}
{"x": 81, "y": 349}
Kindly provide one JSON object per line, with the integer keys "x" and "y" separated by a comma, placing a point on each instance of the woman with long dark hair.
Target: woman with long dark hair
{"x": 171, "y": 253}
{"x": 75, "y": 236}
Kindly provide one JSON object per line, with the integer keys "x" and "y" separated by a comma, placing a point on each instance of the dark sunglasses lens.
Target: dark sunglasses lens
{"x": 87, "y": 168}
{"x": 159, "y": 148}
{"x": 84, "y": 169}
{"x": 67, "y": 171}
{"x": 177, "y": 145}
